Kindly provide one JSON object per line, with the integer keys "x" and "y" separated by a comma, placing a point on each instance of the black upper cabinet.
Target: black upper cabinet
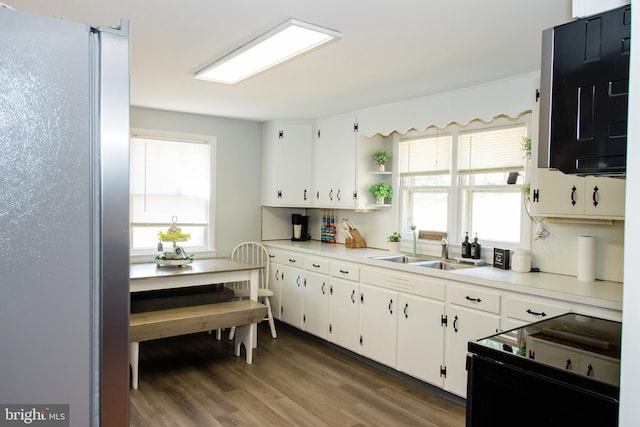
{"x": 584, "y": 95}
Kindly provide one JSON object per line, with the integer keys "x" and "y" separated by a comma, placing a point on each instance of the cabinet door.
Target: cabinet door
{"x": 553, "y": 354}
{"x": 377, "y": 324}
{"x": 294, "y": 171}
{"x": 464, "y": 325}
{"x": 334, "y": 163}
{"x": 315, "y": 304}
{"x": 420, "y": 350}
{"x": 557, "y": 194}
{"x": 343, "y": 313}
{"x": 604, "y": 197}
{"x": 291, "y": 296}
{"x": 275, "y": 284}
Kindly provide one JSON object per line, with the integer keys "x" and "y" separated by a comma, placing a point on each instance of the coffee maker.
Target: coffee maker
{"x": 300, "y": 227}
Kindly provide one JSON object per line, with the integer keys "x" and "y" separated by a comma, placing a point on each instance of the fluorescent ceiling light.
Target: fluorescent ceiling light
{"x": 284, "y": 42}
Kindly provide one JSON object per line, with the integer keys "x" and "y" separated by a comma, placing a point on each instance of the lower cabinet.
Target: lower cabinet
{"x": 420, "y": 343}
{"x": 377, "y": 324}
{"x": 291, "y": 296}
{"x": 315, "y": 304}
{"x": 343, "y": 313}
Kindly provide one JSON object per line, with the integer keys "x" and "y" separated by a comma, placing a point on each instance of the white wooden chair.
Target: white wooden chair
{"x": 254, "y": 253}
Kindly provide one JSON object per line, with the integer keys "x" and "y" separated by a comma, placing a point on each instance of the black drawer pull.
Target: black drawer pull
{"x": 316, "y": 265}
{"x": 344, "y": 271}
{"x": 533, "y": 313}
{"x": 292, "y": 260}
{"x": 468, "y": 298}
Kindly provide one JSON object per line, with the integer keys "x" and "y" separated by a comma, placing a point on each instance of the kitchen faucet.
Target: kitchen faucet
{"x": 413, "y": 228}
{"x": 445, "y": 247}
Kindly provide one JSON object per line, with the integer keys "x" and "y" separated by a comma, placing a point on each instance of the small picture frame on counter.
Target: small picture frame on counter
{"x": 501, "y": 258}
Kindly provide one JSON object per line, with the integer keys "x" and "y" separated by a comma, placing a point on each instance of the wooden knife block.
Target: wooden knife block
{"x": 356, "y": 242}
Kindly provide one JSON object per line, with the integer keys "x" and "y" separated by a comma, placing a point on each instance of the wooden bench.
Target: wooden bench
{"x": 187, "y": 320}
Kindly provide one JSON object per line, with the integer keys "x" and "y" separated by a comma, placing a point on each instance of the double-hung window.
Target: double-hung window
{"x": 466, "y": 179}
{"x": 170, "y": 179}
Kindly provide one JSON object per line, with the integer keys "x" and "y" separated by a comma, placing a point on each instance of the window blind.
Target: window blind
{"x": 169, "y": 178}
{"x": 491, "y": 150}
{"x": 431, "y": 155}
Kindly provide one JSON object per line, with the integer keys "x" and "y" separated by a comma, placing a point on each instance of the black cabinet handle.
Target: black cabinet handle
{"x": 305, "y": 282}
{"x": 455, "y": 324}
{"x": 390, "y": 304}
{"x": 573, "y": 194}
{"x": 590, "y": 371}
{"x": 568, "y": 366}
{"x": 406, "y": 310}
{"x": 595, "y": 194}
{"x": 344, "y": 271}
{"x": 292, "y": 260}
{"x": 533, "y": 313}
{"x": 361, "y": 297}
{"x": 331, "y": 290}
{"x": 331, "y": 194}
{"x": 468, "y": 298}
{"x": 353, "y": 294}
{"x": 298, "y": 281}
{"x": 323, "y": 285}
{"x": 305, "y": 194}
{"x": 339, "y": 195}
{"x": 316, "y": 265}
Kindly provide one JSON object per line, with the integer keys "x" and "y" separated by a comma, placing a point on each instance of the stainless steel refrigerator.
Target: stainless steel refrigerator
{"x": 64, "y": 221}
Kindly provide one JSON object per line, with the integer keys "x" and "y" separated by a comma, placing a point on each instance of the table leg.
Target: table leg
{"x": 134, "y": 353}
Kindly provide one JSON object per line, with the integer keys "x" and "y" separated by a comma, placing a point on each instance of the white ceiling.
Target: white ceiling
{"x": 390, "y": 51}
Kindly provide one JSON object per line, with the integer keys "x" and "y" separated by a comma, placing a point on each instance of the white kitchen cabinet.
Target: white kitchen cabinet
{"x": 472, "y": 313}
{"x": 560, "y": 195}
{"x": 286, "y": 167}
{"x": 275, "y": 284}
{"x": 378, "y": 324}
{"x": 291, "y": 288}
{"x": 315, "y": 304}
{"x": 420, "y": 343}
{"x": 343, "y": 313}
{"x": 334, "y": 163}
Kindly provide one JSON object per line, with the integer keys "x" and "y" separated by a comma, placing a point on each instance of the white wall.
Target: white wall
{"x": 630, "y": 381}
{"x": 238, "y": 169}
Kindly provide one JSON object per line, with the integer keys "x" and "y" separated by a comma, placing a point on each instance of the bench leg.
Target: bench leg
{"x": 134, "y": 352}
{"x": 245, "y": 335}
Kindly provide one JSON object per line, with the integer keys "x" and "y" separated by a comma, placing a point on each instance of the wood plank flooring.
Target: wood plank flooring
{"x": 295, "y": 380}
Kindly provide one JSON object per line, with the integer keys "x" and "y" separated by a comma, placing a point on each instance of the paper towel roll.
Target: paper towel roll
{"x": 586, "y": 258}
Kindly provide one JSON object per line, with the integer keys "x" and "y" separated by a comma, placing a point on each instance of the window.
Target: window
{"x": 455, "y": 180}
{"x": 170, "y": 178}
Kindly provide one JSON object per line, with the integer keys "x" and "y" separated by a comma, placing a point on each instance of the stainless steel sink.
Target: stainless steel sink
{"x": 443, "y": 265}
{"x": 404, "y": 259}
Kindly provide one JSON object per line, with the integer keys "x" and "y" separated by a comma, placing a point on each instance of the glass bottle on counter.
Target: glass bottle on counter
{"x": 466, "y": 246}
{"x": 475, "y": 248}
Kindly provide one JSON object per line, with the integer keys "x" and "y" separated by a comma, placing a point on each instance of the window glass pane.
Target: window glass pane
{"x": 430, "y": 211}
{"x": 426, "y": 181}
{"x": 498, "y": 178}
{"x": 496, "y": 215}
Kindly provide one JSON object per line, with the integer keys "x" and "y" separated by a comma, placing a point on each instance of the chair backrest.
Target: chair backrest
{"x": 254, "y": 253}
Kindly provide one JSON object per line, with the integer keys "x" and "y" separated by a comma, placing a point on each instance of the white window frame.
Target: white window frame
{"x": 457, "y": 191}
{"x": 209, "y": 250}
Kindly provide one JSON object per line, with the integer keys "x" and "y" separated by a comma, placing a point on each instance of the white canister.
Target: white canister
{"x": 521, "y": 261}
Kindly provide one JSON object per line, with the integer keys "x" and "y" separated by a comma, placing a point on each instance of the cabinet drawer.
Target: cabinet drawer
{"x": 345, "y": 271}
{"x": 475, "y": 298}
{"x": 288, "y": 258}
{"x": 317, "y": 265}
{"x": 531, "y": 309}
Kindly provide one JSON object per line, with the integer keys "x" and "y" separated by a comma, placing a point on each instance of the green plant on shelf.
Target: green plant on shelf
{"x": 381, "y": 191}
{"x": 381, "y": 156}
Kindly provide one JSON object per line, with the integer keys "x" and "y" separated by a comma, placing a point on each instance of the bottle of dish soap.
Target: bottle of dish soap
{"x": 466, "y": 246}
{"x": 475, "y": 248}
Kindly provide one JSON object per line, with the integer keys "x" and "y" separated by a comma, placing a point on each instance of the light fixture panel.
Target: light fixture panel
{"x": 288, "y": 40}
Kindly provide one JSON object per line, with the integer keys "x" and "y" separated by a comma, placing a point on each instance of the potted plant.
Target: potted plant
{"x": 381, "y": 191}
{"x": 381, "y": 157}
{"x": 394, "y": 242}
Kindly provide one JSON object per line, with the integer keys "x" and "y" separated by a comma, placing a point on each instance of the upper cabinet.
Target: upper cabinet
{"x": 571, "y": 196}
{"x": 286, "y": 167}
{"x": 334, "y": 163}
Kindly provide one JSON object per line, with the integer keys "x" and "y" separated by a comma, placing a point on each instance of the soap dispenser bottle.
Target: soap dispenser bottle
{"x": 475, "y": 248}
{"x": 466, "y": 246}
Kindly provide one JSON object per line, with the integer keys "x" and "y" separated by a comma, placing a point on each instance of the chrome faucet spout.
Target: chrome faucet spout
{"x": 445, "y": 248}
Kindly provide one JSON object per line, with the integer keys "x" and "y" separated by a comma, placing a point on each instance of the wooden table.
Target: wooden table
{"x": 150, "y": 277}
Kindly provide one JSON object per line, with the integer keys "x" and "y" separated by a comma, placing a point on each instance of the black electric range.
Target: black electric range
{"x": 562, "y": 371}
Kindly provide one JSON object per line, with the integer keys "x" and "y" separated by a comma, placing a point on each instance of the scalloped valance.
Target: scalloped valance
{"x": 510, "y": 97}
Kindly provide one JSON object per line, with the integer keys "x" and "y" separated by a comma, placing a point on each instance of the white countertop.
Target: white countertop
{"x": 599, "y": 293}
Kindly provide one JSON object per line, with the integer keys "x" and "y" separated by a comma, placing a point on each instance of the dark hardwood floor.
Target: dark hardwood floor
{"x": 295, "y": 380}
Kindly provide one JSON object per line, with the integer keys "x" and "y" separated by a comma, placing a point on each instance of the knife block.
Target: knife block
{"x": 356, "y": 242}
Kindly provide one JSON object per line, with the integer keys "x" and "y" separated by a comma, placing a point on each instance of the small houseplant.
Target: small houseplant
{"x": 382, "y": 192}
{"x": 394, "y": 242}
{"x": 381, "y": 157}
